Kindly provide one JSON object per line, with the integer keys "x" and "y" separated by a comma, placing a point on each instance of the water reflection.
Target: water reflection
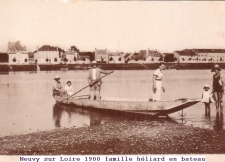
{"x": 219, "y": 119}
{"x": 91, "y": 117}
{"x": 70, "y": 114}
{"x": 95, "y": 119}
{"x": 4, "y": 73}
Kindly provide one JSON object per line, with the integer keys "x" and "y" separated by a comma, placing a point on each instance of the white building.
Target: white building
{"x": 115, "y": 57}
{"x": 186, "y": 56}
{"x": 71, "y": 57}
{"x": 210, "y": 55}
{"x": 17, "y": 53}
{"x": 201, "y": 55}
{"x": 101, "y": 55}
{"x": 47, "y": 55}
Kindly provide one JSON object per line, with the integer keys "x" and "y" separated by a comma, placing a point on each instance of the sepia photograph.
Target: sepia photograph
{"x": 112, "y": 78}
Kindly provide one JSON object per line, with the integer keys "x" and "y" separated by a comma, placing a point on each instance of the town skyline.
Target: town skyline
{"x": 123, "y": 26}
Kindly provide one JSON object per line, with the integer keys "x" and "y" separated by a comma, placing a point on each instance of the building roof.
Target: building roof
{"x": 186, "y": 53}
{"x": 14, "y": 47}
{"x": 167, "y": 54}
{"x": 127, "y": 55}
{"x": 154, "y": 53}
{"x": 209, "y": 50}
{"x": 100, "y": 51}
{"x": 48, "y": 48}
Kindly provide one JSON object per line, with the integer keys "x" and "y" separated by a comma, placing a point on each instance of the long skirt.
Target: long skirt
{"x": 157, "y": 95}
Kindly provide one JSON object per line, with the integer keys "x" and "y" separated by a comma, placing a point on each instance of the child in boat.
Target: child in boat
{"x": 207, "y": 99}
{"x": 69, "y": 88}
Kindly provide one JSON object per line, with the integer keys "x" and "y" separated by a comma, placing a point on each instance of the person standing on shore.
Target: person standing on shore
{"x": 157, "y": 83}
{"x": 207, "y": 99}
{"x": 95, "y": 81}
{"x": 218, "y": 85}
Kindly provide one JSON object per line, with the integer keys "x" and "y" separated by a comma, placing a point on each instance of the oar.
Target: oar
{"x": 84, "y": 88}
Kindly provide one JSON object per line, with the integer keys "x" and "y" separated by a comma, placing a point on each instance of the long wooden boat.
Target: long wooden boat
{"x": 159, "y": 108}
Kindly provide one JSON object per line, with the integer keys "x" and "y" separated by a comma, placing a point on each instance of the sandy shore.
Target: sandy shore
{"x": 125, "y": 137}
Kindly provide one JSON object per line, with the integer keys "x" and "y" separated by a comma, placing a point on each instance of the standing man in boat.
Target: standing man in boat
{"x": 157, "y": 83}
{"x": 95, "y": 81}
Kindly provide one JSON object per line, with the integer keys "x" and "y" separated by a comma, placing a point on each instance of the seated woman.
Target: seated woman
{"x": 69, "y": 88}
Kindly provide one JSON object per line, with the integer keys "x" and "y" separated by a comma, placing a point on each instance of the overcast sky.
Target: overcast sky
{"x": 124, "y": 26}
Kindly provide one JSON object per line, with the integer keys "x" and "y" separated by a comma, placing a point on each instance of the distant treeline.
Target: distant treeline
{"x": 4, "y": 57}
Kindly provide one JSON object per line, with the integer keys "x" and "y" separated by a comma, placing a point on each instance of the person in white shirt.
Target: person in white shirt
{"x": 157, "y": 83}
{"x": 207, "y": 99}
{"x": 69, "y": 88}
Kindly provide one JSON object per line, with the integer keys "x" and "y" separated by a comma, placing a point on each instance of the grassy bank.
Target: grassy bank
{"x": 125, "y": 137}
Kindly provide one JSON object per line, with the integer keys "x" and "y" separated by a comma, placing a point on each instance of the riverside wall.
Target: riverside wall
{"x": 129, "y": 66}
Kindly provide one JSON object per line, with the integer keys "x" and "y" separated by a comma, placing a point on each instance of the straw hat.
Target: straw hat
{"x": 216, "y": 67}
{"x": 94, "y": 63}
{"x": 57, "y": 77}
{"x": 206, "y": 86}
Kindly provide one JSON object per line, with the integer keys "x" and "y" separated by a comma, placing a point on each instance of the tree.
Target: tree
{"x": 152, "y": 59}
{"x": 169, "y": 58}
{"x": 14, "y": 59}
{"x": 74, "y": 48}
{"x": 55, "y": 59}
{"x": 160, "y": 58}
{"x": 110, "y": 59}
{"x": 127, "y": 60}
{"x": 183, "y": 59}
{"x": 119, "y": 59}
{"x": 84, "y": 59}
{"x": 65, "y": 59}
{"x": 25, "y": 60}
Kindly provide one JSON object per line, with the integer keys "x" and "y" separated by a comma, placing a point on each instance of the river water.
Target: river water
{"x": 27, "y": 104}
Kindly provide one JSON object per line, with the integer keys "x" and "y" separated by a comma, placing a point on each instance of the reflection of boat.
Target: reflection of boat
{"x": 64, "y": 69}
{"x": 138, "y": 106}
{"x": 94, "y": 117}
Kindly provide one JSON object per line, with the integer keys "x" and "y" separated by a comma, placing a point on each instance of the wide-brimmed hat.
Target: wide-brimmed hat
{"x": 216, "y": 67}
{"x": 57, "y": 77}
{"x": 94, "y": 63}
{"x": 206, "y": 86}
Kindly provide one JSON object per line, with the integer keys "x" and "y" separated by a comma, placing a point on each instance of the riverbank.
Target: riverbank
{"x": 124, "y": 137}
{"x": 129, "y": 66}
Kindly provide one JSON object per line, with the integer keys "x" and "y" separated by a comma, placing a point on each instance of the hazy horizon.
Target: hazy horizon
{"x": 125, "y": 26}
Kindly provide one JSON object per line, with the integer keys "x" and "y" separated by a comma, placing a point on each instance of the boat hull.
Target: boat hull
{"x": 159, "y": 107}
